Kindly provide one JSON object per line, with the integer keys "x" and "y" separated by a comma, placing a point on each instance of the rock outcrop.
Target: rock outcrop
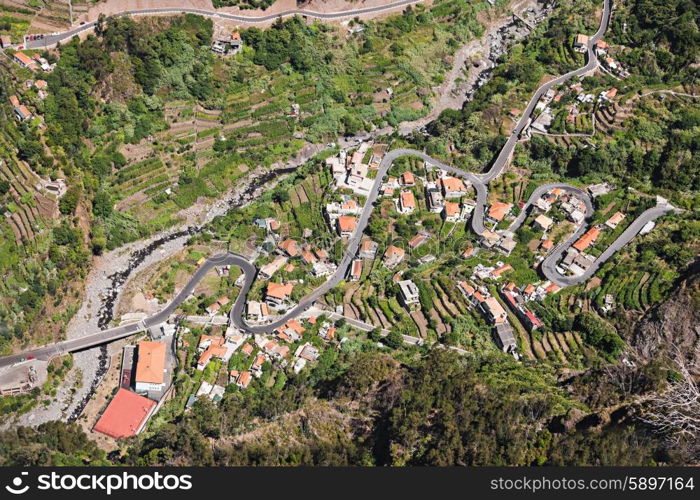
{"x": 672, "y": 327}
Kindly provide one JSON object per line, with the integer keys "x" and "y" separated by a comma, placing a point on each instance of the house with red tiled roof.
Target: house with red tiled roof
{"x": 125, "y": 416}
{"x": 356, "y": 270}
{"x": 407, "y": 202}
{"x": 150, "y": 366}
{"x": 452, "y": 187}
{"x": 496, "y": 273}
{"x": 393, "y": 256}
{"x": 408, "y": 179}
{"x": 256, "y": 367}
{"x": 247, "y": 349}
{"x": 24, "y": 60}
{"x": 211, "y": 352}
{"x": 497, "y": 211}
{"x": 278, "y": 293}
{"x": 587, "y": 239}
{"x": 22, "y": 113}
{"x": 243, "y": 379}
{"x": 450, "y": 212}
{"x": 615, "y": 220}
{"x": 308, "y": 257}
{"x": 290, "y": 246}
{"x": 346, "y": 225}
{"x": 417, "y": 240}
{"x": 546, "y": 245}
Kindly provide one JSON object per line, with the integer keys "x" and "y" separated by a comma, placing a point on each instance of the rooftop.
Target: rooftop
{"x": 278, "y": 290}
{"x": 151, "y": 362}
{"x": 125, "y": 415}
{"x": 499, "y": 210}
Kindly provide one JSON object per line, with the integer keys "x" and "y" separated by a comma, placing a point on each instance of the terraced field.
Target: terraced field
{"x": 32, "y": 208}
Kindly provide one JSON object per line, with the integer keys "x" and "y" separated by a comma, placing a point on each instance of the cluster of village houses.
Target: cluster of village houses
{"x": 552, "y": 97}
{"x": 147, "y": 368}
{"x": 32, "y": 63}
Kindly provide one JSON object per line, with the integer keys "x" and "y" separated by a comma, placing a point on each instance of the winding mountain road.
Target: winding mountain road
{"x": 53, "y": 39}
{"x": 478, "y": 181}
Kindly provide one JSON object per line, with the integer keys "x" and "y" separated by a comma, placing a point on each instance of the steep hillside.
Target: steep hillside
{"x": 671, "y": 327}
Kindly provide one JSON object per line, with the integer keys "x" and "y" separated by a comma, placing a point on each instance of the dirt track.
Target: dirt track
{"x": 110, "y": 7}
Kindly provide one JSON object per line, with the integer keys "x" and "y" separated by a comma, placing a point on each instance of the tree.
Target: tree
{"x": 375, "y": 334}
{"x": 394, "y": 339}
{"x": 69, "y": 201}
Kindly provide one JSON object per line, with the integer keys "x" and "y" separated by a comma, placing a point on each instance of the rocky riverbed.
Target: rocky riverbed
{"x": 472, "y": 68}
{"x": 473, "y": 63}
{"x": 112, "y": 270}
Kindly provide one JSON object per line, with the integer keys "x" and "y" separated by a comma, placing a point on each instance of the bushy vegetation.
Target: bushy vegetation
{"x": 443, "y": 409}
{"x": 663, "y": 35}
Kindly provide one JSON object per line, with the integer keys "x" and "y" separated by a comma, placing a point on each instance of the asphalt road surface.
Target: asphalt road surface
{"x": 51, "y": 40}
{"x": 119, "y": 332}
{"x": 478, "y": 181}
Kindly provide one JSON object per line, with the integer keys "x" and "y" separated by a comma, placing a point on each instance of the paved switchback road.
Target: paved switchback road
{"x": 119, "y": 332}
{"x": 51, "y": 40}
{"x": 479, "y": 181}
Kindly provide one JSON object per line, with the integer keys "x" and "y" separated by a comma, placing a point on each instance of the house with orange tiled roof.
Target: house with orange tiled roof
{"x": 346, "y": 225}
{"x": 256, "y": 367}
{"x": 14, "y": 100}
{"x": 243, "y": 380}
{"x": 22, "y": 113}
{"x": 211, "y": 352}
{"x": 247, "y": 349}
{"x": 418, "y": 240}
{"x": 257, "y": 310}
{"x": 291, "y": 331}
{"x": 587, "y": 239}
{"x": 407, "y": 202}
{"x": 546, "y": 245}
{"x": 308, "y": 257}
{"x": 497, "y": 211}
{"x": 213, "y": 309}
{"x": 356, "y": 270}
{"x": 470, "y": 293}
{"x": 24, "y": 60}
{"x": 278, "y": 293}
{"x": 279, "y": 352}
{"x": 368, "y": 249}
{"x": 496, "y": 273}
{"x": 290, "y": 246}
{"x": 450, "y": 211}
{"x": 468, "y": 252}
{"x": 269, "y": 269}
{"x": 581, "y": 42}
{"x": 615, "y": 220}
{"x": 408, "y": 179}
{"x": 393, "y": 256}
{"x": 327, "y": 334}
{"x": 493, "y": 310}
{"x": 150, "y": 366}
{"x": 452, "y": 187}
